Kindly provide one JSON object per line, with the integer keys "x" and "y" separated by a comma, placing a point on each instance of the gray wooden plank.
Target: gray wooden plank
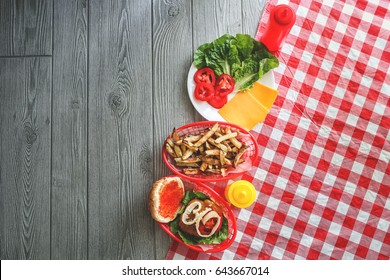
{"x": 25, "y": 99}
{"x": 252, "y": 10}
{"x": 215, "y": 18}
{"x": 172, "y": 58}
{"x": 25, "y": 27}
{"x": 120, "y": 130}
{"x": 69, "y": 227}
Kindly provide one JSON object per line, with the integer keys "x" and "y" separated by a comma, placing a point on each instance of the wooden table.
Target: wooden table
{"x": 88, "y": 92}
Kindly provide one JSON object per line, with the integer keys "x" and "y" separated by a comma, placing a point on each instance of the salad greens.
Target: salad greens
{"x": 242, "y": 57}
{"x": 190, "y": 195}
{"x": 216, "y": 238}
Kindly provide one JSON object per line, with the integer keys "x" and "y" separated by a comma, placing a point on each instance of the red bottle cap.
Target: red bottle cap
{"x": 283, "y": 14}
{"x": 281, "y": 20}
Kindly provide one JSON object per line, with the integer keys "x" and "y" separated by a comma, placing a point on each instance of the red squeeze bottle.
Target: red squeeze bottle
{"x": 280, "y": 22}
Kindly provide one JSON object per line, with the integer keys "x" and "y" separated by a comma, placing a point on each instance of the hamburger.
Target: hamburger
{"x": 201, "y": 218}
{"x": 192, "y": 215}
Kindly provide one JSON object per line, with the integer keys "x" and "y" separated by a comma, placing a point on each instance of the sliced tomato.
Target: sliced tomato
{"x": 205, "y": 75}
{"x": 203, "y": 230}
{"x": 218, "y": 101}
{"x": 210, "y": 223}
{"x": 224, "y": 85}
{"x": 208, "y": 227}
{"x": 220, "y": 224}
{"x": 204, "y": 91}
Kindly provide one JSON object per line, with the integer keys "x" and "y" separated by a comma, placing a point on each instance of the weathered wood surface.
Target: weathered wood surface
{"x": 25, "y": 27}
{"x": 69, "y": 211}
{"x": 82, "y": 127}
{"x": 252, "y": 10}
{"x": 25, "y": 128}
{"x": 120, "y": 130}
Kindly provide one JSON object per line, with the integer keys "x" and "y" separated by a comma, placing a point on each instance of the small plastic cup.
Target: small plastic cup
{"x": 241, "y": 194}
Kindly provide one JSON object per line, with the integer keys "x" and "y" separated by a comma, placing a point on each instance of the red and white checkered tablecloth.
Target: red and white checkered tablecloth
{"x": 323, "y": 177}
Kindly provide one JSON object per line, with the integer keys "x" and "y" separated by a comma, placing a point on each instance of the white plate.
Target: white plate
{"x": 209, "y": 112}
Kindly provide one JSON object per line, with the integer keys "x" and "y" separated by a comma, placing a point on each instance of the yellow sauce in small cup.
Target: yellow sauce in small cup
{"x": 241, "y": 194}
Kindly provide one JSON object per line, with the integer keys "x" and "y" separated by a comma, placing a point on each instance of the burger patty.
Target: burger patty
{"x": 191, "y": 229}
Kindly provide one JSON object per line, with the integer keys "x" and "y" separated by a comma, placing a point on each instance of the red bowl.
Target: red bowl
{"x": 197, "y": 128}
{"x": 227, "y": 211}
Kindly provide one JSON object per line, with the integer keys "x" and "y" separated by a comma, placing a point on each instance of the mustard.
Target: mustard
{"x": 241, "y": 193}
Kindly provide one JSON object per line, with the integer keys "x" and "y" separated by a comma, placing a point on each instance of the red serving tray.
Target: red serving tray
{"x": 199, "y": 127}
{"x": 227, "y": 211}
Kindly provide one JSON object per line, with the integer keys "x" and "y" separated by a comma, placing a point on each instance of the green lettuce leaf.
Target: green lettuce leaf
{"x": 201, "y": 195}
{"x": 222, "y": 54}
{"x": 174, "y": 225}
{"x": 246, "y": 74}
{"x": 190, "y": 195}
{"x": 188, "y": 239}
{"x": 199, "y": 58}
{"x": 267, "y": 64}
{"x": 242, "y": 57}
{"x": 245, "y": 45}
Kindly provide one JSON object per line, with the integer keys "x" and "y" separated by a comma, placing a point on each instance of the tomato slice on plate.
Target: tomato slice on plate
{"x": 218, "y": 101}
{"x": 205, "y": 75}
{"x": 204, "y": 91}
{"x": 224, "y": 85}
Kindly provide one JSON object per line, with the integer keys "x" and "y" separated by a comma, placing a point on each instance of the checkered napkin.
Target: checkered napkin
{"x": 323, "y": 177}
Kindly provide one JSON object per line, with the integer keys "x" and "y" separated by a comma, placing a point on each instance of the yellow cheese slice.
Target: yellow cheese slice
{"x": 264, "y": 94}
{"x": 243, "y": 110}
{"x": 249, "y": 108}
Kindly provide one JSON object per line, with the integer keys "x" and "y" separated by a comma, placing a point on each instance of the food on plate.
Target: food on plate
{"x": 229, "y": 65}
{"x": 201, "y": 220}
{"x": 264, "y": 94}
{"x": 240, "y": 56}
{"x": 207, "y": 89}
{"x": 246, "y": 109}
{"x": 218, "y": 101}
{"x": 205, "y": 75}
{"x": 224, "y": 85}
{"x": 204, "y": 91}
{"x": 214, "y": 151}
{"x": 165, "y": 199}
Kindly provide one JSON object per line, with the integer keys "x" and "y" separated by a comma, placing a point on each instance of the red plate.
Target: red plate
{"x": 227, "y": 211}
{"x": 197, "y": 128}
